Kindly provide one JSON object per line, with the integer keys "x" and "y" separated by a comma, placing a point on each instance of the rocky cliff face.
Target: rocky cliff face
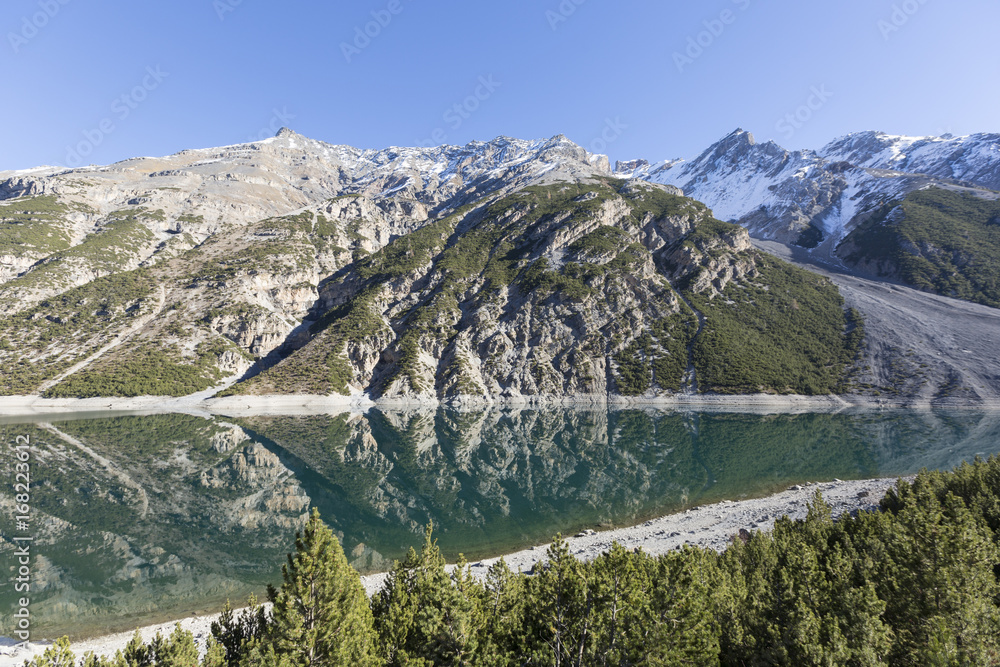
{"x": 181, "y": 260}
{"x": 571, "y": 290}
{"x": 501, "y": 269}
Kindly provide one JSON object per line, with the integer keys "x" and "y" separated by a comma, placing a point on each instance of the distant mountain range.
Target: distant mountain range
{"x": 781, "y": 194}
{"x": 506, "y": 269}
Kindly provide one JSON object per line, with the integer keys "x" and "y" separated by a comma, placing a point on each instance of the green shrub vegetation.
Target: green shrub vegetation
{"x": 275, "y": 246}
{"x": 706, "y": 236}
{"x": 936, "y": 240}
{"x": 794, "y": 325}
{"x": 136, "y": 215}
{"x": 646, "y": 200}
{"x": 119, "y": 241}
{"x": 147, "y": 371}
{"x": 913, "y": 583}
{"x": 270, "y": 256}
{"x": 33, "y": 226}
{"x": 659, "y": 356}
{"x": 325, "y": 227}
{"x": 538, "y": 277}
{"x": 322, "y": 367}
{"x": 784, "y": 331}
{"x": 407, "y": 253}
{"x": 602, "y": 241}
{"x": 85, "y": 316}
{"x": 634, "y": 376}
{"x": 409, "y": 360}
{"x": 193, "y": 219}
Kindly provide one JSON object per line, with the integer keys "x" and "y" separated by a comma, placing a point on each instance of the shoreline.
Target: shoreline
{"x": 709, "y": 526}
{"x": 235, "y": 406}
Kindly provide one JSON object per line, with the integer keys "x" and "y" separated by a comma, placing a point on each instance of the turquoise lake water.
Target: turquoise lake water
{"x": 138, "y": 519}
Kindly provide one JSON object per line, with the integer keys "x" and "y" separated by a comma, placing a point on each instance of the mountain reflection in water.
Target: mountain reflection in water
{"x": 144, "y": 518}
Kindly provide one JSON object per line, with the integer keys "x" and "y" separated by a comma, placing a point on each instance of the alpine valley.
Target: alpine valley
{"x": 509, "y": 271}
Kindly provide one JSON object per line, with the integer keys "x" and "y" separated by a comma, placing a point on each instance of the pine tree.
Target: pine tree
{"x": 939, "y": 583}
{"x": 176, "y": 650}
{"x": 57, "y": 655}
{"x": 622, "y": 590}
{"x": 805, "y": 597}
{"x": 503, "y": 605}
{"x": 423, "y": 616}
{"x": 320, "y": 615}
{"x": 136, "y": 653}
{"x": 238, "y": 635}
{"x": 215, "y": 654}
{"x": 682, "y": 627}
{"x": 559, "y": 610}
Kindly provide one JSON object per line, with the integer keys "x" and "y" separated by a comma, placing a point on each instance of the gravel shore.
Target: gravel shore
{"x": 710, "y": 526}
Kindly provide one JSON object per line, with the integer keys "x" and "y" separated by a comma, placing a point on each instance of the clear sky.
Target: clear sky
{"x": 95, "y": 81}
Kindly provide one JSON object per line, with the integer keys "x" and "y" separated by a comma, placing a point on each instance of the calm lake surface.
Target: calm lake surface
{"x": 139, "y": 519}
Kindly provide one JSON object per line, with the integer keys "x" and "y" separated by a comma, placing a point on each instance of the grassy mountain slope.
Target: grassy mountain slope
{"x": 189, "y": 317}
{"x": 593, "y": 288}
{"x": 937, "y": 240}
{"x": 231, "y": 300}
{"x": 570, "y": 289}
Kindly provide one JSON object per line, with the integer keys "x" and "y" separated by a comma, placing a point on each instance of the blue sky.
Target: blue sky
{"x": 95, "y": 81}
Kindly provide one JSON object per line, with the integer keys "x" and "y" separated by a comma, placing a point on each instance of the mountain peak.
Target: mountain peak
{"x": 739, "y": 136}
{"x": 732, "y": 148}
{"x": 286, "y": 132}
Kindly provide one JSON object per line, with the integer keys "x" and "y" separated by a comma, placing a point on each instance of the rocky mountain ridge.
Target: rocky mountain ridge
{"x": 974, "y": 158}
{"x": 816, "y": 198}
{"x": 174, "y": 203}
{"x": 502, "y": 269}
{"x": 566, "y": 290}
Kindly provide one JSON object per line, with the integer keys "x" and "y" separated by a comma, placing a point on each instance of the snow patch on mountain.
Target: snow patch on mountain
{"x": 974, "y": 158}
{"x": 779, "y": 194}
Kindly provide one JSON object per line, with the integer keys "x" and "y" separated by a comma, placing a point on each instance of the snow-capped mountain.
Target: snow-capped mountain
{"x": 809, "y": 197}
{"x": 806, "y": 197}
{"x": 291, "y": 265}
{"x": 974, "y": 158}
